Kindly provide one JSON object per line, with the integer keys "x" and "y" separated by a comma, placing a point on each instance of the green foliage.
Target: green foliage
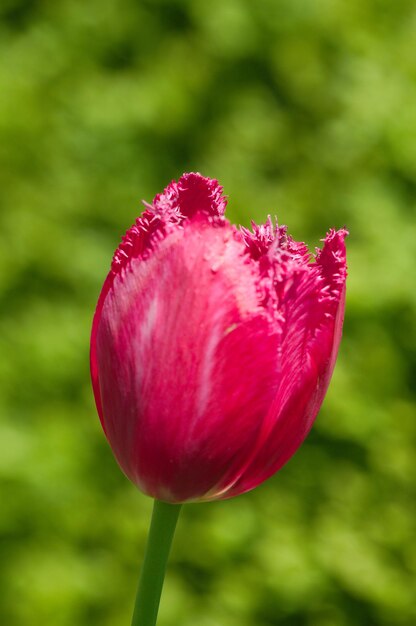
{"x": 302, "y": 108}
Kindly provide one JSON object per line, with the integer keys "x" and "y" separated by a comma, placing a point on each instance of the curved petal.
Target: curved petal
{"x": 313, "y": 311}
{"x": 186, "y": 361}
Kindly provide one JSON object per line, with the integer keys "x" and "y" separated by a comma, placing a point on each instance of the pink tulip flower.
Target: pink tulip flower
{"x": 212, "y": 347}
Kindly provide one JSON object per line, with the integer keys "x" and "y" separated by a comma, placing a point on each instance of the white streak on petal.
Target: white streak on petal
{"x": 149, "y": 321}
{"x": 207, "y": 369}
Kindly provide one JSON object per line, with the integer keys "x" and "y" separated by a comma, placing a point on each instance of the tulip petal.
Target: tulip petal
{"x": 187, "y": 362}
{"x": 313, "y": 310}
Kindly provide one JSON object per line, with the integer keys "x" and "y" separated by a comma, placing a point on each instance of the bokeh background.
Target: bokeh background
{"x": 305, "y": 109}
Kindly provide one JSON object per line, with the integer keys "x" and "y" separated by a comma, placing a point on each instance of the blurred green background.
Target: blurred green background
{"x": 302, "y": 108}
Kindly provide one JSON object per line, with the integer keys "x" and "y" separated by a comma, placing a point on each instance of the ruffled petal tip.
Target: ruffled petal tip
{"x": 192, "y": 194}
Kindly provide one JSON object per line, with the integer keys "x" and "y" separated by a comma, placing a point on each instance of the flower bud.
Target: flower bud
{"x": 212, "y": 347}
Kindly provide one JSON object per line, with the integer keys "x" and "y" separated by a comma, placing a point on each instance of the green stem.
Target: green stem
{"x": 162, "y": 529}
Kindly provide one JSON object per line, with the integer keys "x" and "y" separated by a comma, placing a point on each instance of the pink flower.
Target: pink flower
{"x": 212, "y": 347}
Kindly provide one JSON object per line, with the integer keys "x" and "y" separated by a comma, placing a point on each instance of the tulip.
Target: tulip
{"x": 212, "y": 347}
